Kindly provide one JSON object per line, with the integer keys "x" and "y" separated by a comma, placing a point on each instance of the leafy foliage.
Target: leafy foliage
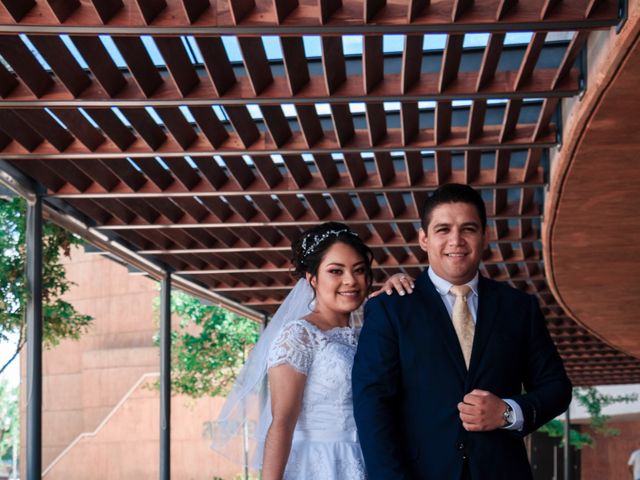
{"x": 594, "y": 401}
{"x": 208, "y": 347}
{"x": 9, "y": 420}
{"x": 61, "y": 320}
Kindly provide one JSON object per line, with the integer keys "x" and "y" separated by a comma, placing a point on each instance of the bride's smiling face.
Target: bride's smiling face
{"x": 341, "y": 282}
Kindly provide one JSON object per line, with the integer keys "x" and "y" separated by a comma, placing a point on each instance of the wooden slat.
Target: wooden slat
{"x": 327, "y": 169}
{"x": 503, "y": 159}
{"x": 376, "y": 122}
{"x": 195, "y": 8}
{"x": 139, "y": 63}
{"x": 62, "y": 63}
{"x": 442, "y": 121}
{"x": 450, "y": 61}
{"x": 131, "y": 177}
{"x": 443, "y": 167}
{"x": 182, "y": 70}
{"x": 243, "y": 124}
{"x": 532, "y": 163}
{"x": 371, "y": 8}
{"x": 155, "y": 172}
{"x": 413, "y": 166}
{"x": 573, "y": 50}
{"x": 111, "y": 125}
{"x": 490, "y": 60}
{"x": 217, "y": 63}
{"x": 146, "y": 127}
{"x": 183, "y": 172}
{"x": 211, "y": 171}
{"x": 47, "y": 127}
{"x": 471, "y": 166}
{"x": 21, "y": 132}
{"x": 327, "y": 8}
{"x": 298, "y": 169}
{"x": 240, "y": 9}
{"x": 477, "y": 115}
{"x": 384, "y": 167}
{"x": 504, "y": 7}
{"x": 510, "y": 121}
{"x": 18, "y": 8}
{"x": 210, "y": 125}
{"x": 100, "y": 174}
{"x": 268, "y": 170}
{"x": 74, "y": 176}
{"x": 100, "y": 63}
{"x": 411, "y": 62}
{"x": 255, "y": 62}
{"x": 415, "y": 8}
{"x": 310, "y": 125}
{"x": 335, "y": 72}
{"x": 277, "y": 124}
{"x": 80, "y": 127}
{"x": 16, "y": 53}
{"x": 7, "y": 81}
{"x": 547, "y": 7}
{"x": 179, "y": 127}
{"x": 372, "y": 62}
{"x": 409, "y": 121}
{"x": 150, "y": 9}
{"x": 460, "y": 7}
{"x": 63, "y": 9}
{"x": 342, "y": 123}
{"x": 107, "y": 9}
{"x": 549, "y": 107}
{"x": 284, "y": 8}
{"x": 530, "y": 58}
{"x": 295, "y": 63}
{"x": 355, "y": 168}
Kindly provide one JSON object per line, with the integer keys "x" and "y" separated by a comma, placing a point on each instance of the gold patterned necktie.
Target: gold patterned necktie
{"x": 463, "y": 321}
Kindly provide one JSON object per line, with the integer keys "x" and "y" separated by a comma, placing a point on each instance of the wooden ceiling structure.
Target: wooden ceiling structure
{"x": 203, "y": 136}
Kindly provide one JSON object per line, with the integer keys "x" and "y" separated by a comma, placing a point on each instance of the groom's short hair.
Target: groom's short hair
{"x": 453, "y": 193}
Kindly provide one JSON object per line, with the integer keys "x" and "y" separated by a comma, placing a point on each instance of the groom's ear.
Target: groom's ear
{"x": 422, "y": 239}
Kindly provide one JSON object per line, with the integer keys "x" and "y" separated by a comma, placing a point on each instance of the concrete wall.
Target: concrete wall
{"x": 84, "y": 380}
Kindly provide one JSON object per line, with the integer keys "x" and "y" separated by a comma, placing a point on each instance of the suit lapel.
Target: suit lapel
{"x": 437, "y": 315}
{"x": 488, "y": 304}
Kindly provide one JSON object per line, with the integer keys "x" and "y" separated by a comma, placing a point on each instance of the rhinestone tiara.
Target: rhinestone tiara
{"x": 311, "y": 242}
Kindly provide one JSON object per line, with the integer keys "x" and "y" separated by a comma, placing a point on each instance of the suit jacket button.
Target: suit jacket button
{"x": 460, "y": 446}
{"x": 464, "y": 457}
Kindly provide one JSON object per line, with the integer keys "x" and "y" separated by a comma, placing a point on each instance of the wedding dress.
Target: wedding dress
{"x": 325, "y": 442}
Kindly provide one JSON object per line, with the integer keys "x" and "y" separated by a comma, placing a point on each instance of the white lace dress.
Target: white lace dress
{"x": 325, "y": 443}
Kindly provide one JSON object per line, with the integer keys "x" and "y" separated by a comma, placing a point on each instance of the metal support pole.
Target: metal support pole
{"x": 567, "y": 446}
{"x": 34, "y": 338}
{"x": 165, "y": 377}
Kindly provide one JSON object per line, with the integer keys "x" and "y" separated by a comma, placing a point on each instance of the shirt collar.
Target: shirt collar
{"x": 443, "y": 286}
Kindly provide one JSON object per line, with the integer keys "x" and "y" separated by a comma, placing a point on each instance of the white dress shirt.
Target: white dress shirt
{"x": 443, "y": 287}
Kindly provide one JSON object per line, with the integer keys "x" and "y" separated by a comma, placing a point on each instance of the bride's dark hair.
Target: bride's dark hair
{"x": 309, "y": 249}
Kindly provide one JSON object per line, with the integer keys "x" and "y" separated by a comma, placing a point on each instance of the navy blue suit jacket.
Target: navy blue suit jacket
{"x": 409, "y": 375}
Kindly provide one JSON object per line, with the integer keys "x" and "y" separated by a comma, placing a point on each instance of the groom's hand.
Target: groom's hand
{"x": 481, "y": 411}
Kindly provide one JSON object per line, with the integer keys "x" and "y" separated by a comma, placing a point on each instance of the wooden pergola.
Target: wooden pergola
{"x": 200, "y": 137}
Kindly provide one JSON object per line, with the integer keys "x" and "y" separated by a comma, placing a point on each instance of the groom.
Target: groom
{"x": 447, "y": 381}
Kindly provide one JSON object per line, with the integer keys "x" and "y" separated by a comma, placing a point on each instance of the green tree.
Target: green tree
{"x": 61, "y": 320}
{"x": 9, "y": 421}
{"x": 594, "y": 402}
{"x": 208, "y": 347}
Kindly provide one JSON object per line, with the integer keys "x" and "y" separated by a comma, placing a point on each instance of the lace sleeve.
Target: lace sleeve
{"x": 294, "y": 347}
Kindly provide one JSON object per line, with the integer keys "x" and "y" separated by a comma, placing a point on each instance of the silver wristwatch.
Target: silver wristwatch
{"x": 509, "y": 415}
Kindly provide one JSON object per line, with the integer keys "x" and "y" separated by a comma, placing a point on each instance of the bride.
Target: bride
{"x": 306, "y": 428}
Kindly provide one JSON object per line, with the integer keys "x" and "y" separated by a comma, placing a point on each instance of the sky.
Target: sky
{"x": 12, "y": 373}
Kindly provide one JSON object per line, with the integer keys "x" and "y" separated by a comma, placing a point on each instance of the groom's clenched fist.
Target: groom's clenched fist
{"x": 481, "y": 411}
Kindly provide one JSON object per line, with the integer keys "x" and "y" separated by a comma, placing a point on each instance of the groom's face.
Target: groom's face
{"x": 454, "y": 241}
